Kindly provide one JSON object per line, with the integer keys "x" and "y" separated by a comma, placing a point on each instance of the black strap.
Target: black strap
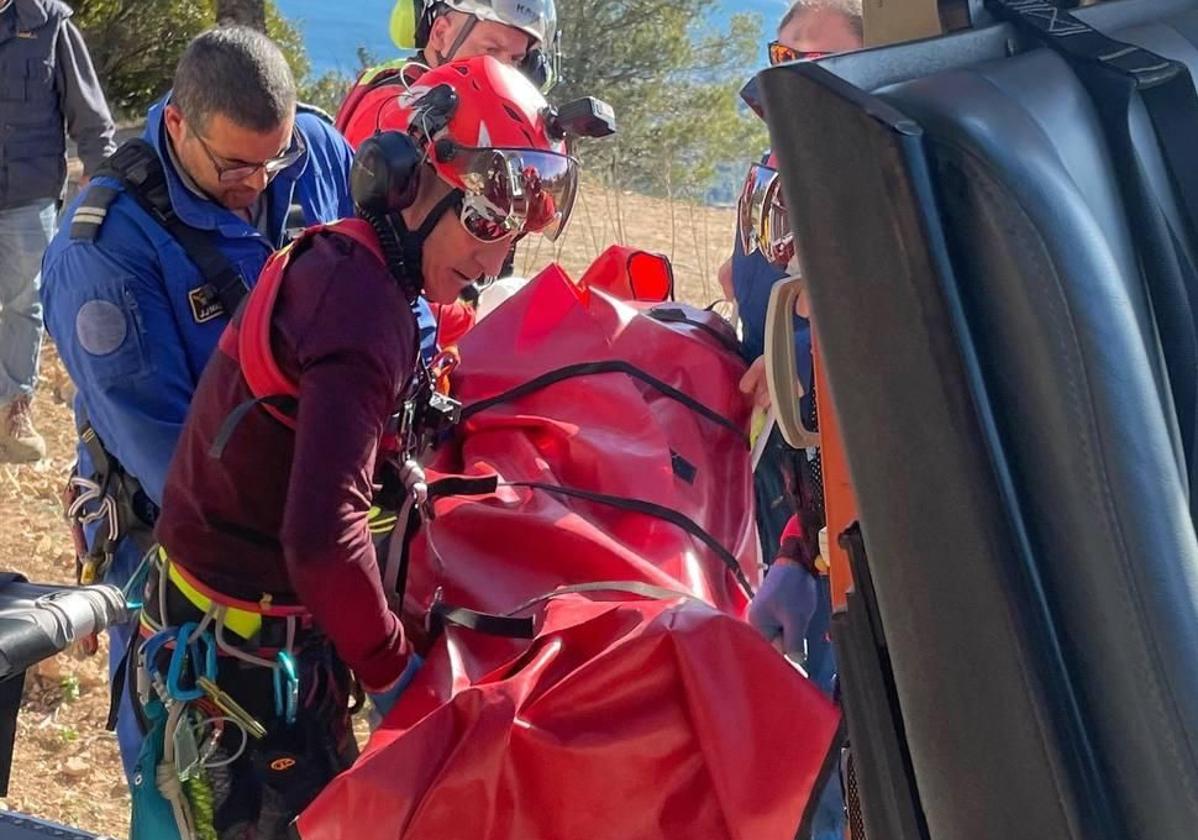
{"x": 123, "y": 682}
{"x": 137, "y": 166}
{"x": 284, "y": 403}
{"x": 461, "y": 485}
{"x": 610, "y": 366}
{"x": 829, "y": 769}
{"x": 483, "y": 486}
{"x": 650, "y": 509}
{"x": 493, "y": 625}
{"x": 673, "y": 315}
{"x": 510, "y": 626}
{"x": 135, "y": 513}
{"x": 1113, "y": 72}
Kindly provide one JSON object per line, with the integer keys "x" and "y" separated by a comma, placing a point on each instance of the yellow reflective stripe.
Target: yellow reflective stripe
{"x": 244, "y": 623}
{"x": 380, "y": 521}
{"x": 373, "y": 73}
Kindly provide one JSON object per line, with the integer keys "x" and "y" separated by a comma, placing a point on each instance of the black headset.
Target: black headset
{"x": 385, "y": 180}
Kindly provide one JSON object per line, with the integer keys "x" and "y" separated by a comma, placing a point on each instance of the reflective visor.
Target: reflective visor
{"x": 515, "y": 191}
{"x": 761, "y": 216}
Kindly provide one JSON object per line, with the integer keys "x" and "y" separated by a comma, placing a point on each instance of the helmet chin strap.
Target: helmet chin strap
{"x": 412, "y": 241}
{"x": 467, "y": 28}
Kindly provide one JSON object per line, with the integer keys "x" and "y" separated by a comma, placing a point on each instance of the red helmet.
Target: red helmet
{"x": 489, "y": 133}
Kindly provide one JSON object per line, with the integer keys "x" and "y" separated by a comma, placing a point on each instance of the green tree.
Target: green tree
{"x": 673, "y": 85}
{"x": 136, "y": 43}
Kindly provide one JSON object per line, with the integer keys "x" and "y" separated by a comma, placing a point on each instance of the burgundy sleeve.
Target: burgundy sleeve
{"x": 353, "y": 354}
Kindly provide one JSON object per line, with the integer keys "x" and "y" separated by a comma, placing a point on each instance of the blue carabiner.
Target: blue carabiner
{"x": 286, "y": 687}
{"x": 152, "y": 646}
{"x": 202, "y": 654}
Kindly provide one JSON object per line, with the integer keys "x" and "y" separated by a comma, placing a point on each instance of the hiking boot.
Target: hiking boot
{"x": 19, "y": 441}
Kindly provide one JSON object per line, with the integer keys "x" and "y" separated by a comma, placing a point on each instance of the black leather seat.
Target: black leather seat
{"x": 995, "y": 365}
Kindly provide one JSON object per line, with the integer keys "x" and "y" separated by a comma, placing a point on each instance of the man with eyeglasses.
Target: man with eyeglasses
{"x": 148, "y": 268}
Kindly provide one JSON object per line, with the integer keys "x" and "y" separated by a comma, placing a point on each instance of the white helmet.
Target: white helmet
{"x": 536, "y": 18}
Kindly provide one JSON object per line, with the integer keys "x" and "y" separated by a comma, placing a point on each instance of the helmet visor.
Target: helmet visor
{"x": 517, "y": 191}
{"x": 761, "y": 216}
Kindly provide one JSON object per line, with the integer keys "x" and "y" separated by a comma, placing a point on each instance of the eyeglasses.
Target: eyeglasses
{"x": 781, "y": 54}
{"x": 233, "y": 172}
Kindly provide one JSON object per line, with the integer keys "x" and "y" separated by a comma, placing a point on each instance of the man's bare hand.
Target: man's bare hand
{"x": 754, "y": 384}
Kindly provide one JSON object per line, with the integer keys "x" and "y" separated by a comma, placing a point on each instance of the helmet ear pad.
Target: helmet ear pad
{"x": 385, "y": 177}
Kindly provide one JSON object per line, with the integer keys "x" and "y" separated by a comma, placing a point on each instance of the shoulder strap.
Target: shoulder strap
{"x": 137, "y": 166}
{"x": 254, "y": 352}
{"x": 248, "y": 341}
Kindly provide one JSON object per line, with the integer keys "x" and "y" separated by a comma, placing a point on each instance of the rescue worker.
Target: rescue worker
{"x": 155, "y": 256}
{"x": 49, "y": 91}
{"x": 266, "y": 553}
{"x": 523, "y": 35}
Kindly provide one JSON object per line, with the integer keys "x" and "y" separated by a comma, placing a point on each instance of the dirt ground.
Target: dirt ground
{"x": 67, "y": 767}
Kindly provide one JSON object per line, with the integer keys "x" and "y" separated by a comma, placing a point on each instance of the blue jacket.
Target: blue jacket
{"x": 752, "y": 279}
{"x": 120, "y": 309}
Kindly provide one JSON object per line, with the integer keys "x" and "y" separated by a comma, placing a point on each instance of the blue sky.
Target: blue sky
{"x": 333, "y": 35}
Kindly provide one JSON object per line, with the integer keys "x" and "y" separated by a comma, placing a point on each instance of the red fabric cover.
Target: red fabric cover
{"x": 625, "y": 717}
{"x": 607, "y": 433}
{"x": 631, "y": 274}
{"x": 632, "y": 720}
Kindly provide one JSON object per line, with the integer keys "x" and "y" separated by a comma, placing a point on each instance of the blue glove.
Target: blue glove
{"x": 385, "y": 701}
{"x": 783, "y": 607}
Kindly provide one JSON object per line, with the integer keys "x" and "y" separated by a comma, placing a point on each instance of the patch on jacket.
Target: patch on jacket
{"x": 205, "y": 305}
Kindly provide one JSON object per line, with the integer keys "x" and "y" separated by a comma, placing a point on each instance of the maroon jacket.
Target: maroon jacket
{"x": 284, "y": 512}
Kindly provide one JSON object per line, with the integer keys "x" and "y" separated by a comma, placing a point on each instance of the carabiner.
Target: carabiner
{"x": 286, "y": 687}
{"x": 201, "y": 652}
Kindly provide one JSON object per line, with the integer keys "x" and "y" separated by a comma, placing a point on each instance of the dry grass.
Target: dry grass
{"x": 67, "y": 767}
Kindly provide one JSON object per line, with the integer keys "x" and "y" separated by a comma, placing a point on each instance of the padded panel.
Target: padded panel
{"x": 983, "y": 734}
{"x": 1056, "y": 306}
{"x": 995, "y": 367}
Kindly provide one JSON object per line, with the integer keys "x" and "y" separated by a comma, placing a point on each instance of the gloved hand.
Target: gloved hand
{"x": 384, "y": 701}
{"x": 783, "y": 607}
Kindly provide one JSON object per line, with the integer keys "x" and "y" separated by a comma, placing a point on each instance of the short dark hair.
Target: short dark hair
{"x": 237, "y": 72}
{"x": 851, "y": 9}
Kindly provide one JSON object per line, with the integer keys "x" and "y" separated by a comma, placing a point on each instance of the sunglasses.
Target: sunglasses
{"x": 782, "y": 54}
{"x": 234, "y": 172}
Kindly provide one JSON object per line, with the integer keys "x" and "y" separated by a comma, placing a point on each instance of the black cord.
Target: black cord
{"x": 393, "y": 252}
